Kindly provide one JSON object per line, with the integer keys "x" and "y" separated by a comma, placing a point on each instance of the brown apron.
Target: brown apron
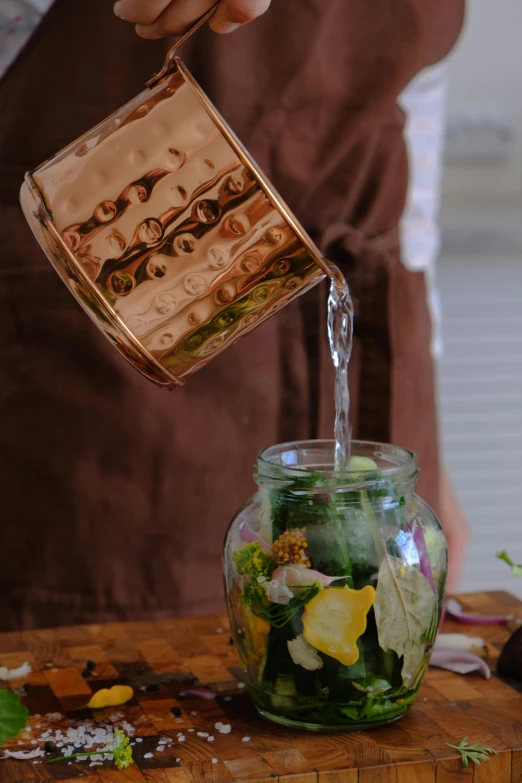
{"x": 115, "y": 494}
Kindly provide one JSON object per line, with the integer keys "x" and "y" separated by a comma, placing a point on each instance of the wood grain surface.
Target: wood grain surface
{"x": 164, "y": 661}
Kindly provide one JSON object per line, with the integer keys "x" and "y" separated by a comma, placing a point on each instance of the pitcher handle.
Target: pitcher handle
{"x": 168, "y": 65}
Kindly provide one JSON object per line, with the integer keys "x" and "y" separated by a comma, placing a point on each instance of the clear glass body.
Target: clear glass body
{"x": 334, "y": 584}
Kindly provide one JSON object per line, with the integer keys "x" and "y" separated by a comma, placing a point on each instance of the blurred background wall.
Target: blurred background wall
{"x": 480, "y": 287}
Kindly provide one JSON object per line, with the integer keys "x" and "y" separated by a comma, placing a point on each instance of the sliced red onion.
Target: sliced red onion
{"x": 249, "y": 537}
{"x": 300, "y": 575}
{"x": 424, "y": 560}
{"x": 454, "y": 609}
{"x": 199, "y": 693}
{"x": 23, "y": 754}
{"x": 459, "y": 661}
{"x": 460, "y": 642}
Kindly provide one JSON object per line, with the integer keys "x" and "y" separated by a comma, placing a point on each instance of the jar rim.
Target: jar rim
{"x": 295, "y": 459}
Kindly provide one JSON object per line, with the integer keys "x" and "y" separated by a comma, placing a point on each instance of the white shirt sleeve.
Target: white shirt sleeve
{"x": 424, "y": 102}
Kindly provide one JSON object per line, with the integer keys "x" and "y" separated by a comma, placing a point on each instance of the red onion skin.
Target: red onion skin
{"x": 249, "y": 537}
{"x": 424, "y": 560}
{"x": 454, "y": 610}
{"x": 443, "y": 659}
{"x": 199, "y": 693}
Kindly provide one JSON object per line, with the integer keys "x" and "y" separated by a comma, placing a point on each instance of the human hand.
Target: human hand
{"x": 159, "y": 18}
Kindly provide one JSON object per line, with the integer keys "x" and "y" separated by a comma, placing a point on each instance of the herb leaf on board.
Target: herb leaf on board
{"x": 475, "y": 753}
{"x": 404, "y": 607}
{"x": 13, "y": 715}
{"x": 516, "y": 569}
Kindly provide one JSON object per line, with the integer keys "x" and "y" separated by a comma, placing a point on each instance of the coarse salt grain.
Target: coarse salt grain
{"x": 148, "y": 756}
{"x": 210, "y": 739}
{"x": 223, "y": 728}
{"x": 181, "y": 738}
{"x": 214, "y": 761}
{"x": 194, "y": 712}
{"x": 241, "y": 685}
{"x": 139, "y": 739}
{"x": 245, "y": 739}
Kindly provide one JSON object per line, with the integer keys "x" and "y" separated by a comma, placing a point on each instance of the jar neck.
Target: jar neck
{"x": 308, "y": 467}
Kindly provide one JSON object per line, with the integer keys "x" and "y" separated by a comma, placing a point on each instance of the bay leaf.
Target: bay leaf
{"x": 404, "y": 606}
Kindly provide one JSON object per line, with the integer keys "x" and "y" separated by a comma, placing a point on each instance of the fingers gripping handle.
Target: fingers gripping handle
{"x": 169, "y": 60}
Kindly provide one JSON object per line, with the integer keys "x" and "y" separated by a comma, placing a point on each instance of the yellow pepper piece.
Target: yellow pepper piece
{"x": 334, "y": 620}
{"x": 111, "y": 697}
{"x": 256, "y": 630}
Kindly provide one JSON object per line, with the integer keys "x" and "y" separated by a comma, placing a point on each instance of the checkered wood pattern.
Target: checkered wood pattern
{"x": 178, "y": 655}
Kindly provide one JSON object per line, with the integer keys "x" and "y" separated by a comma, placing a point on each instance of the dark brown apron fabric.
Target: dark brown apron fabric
{"x": 115, "y": 494}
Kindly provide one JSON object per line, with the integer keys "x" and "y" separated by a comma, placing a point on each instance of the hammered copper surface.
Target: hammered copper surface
{"x": 168, "y": 229}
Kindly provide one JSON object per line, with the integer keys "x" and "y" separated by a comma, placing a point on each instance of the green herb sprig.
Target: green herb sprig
{"x": 516, "y": 569}
{"x": 251, "y": 560}
{"x": 121, "y": 749}
{"x": 13, "y": 715}
{"x": 254, "y": 595}
{"x": 475, "y": 753}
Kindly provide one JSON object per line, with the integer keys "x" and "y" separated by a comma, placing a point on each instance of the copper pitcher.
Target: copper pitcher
{"x": 165, "y": 230}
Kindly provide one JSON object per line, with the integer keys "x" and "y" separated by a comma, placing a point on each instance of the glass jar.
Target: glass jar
{"x": 334, "y": 584}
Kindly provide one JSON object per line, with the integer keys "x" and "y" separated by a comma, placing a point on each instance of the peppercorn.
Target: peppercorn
{"x": 91, "y": 665}
{"x": 176, "y": 711}
{"x": 152, "y": 688}
{"x": 50, "y": 747}
{"x": 291, "y": 547}
{"x": 86, "y": 673}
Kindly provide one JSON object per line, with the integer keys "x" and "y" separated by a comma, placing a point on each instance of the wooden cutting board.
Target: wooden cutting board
{"x": 172, "y": 657}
